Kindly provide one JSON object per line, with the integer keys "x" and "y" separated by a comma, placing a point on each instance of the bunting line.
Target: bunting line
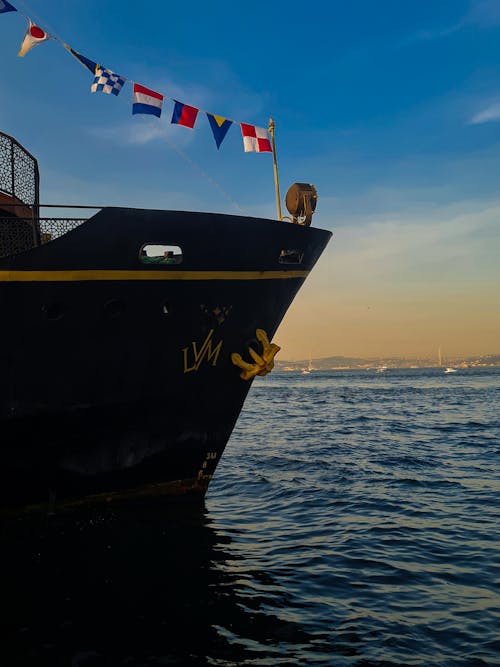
{"x": 145, "y": 101}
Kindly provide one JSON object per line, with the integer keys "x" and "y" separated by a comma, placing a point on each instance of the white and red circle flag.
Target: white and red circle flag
{"x": 34, "y": 36}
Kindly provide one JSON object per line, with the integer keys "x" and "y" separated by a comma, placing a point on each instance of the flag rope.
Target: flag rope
{"x": 64, "y": 44}
{"x": 196, "y": 166}
{"x": 190, "y": 160}
{"x": 53, "y": 34}
{"x": 168, "y": 140}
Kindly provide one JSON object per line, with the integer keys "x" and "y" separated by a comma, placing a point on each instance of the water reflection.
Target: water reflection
{"x": 134, "y": 585}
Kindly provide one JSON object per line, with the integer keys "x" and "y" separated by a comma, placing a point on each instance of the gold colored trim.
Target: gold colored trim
{"x": 96, "y": 275}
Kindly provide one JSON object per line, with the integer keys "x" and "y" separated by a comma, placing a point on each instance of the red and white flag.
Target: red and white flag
{"x": 34, "y": 36}
{"x": 146, "y": 101}
{"x": 255, "y": 139}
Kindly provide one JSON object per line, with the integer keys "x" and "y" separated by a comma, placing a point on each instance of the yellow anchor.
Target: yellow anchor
{"x": 263, "y": 364}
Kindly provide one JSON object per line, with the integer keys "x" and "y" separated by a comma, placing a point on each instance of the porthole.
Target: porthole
{"x": 291, "y": 256}
{"x": 114, "y": 308}
{"x": 54, "y": 311}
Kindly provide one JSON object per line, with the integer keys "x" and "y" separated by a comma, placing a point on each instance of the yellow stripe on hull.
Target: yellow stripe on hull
{"x": 96, "y": 275}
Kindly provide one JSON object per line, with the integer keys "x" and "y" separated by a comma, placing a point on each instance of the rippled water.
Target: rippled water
{"x": 353, "y": 520}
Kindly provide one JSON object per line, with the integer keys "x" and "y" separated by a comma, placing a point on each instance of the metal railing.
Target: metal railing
{"x": 19, "y": 196}
{"x": 53, "y": 228}
{"x": 20, "y": 234}
{"x": 19, "y": 177}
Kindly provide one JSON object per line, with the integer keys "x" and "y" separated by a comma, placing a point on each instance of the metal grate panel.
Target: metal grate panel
{"x": 18, "y": 172}
{"x": 17, "y": 235}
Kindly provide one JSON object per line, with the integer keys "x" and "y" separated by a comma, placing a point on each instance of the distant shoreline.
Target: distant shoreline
{"x": 386, "y": 363}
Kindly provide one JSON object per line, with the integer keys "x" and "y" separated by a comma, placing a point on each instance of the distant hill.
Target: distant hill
{"x": 330, "y": 362}
{"x": 492, "y": 359}
{"x": 326, "y": 363}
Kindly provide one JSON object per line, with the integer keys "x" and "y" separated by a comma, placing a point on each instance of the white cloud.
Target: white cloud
{"x": 457, "y": 242}
{"x": 429, "y": 35}
{"x": 402, "y": 285}
{"x": 140, "y": 131}
{"x": 482, "y": 13}
{"x": 143, "y": 133}
{"x": 485, "y": 13}
{"x": 487, "y": 115}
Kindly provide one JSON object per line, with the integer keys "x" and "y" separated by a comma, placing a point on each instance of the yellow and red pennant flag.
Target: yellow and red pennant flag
{"x": 34, "y": 36}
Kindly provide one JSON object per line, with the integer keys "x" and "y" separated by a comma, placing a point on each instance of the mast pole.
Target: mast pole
{"x": 275, "y": 164}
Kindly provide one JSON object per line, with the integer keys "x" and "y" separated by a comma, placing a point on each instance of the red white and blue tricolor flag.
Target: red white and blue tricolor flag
{"x": 184, "y": 114}
{"x": 6, "y": 7}
{"x": 146, "y": 101}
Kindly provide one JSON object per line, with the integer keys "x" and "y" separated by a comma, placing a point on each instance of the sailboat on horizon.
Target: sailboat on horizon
{"x": 309, "y": 367}
{"x": 448, "y": 369}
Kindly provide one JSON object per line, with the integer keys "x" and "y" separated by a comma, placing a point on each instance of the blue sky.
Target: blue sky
{"x": 391, "y": 108}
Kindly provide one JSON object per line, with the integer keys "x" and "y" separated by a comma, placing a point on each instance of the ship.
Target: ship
{"x": 130, "y": 338}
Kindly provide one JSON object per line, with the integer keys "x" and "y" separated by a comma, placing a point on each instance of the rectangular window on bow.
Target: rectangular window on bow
{"x": 157, "y": 253}
{"x": 291, "y": 257}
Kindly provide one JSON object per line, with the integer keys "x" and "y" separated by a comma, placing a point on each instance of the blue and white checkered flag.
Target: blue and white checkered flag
{"x": 106, "y": 81}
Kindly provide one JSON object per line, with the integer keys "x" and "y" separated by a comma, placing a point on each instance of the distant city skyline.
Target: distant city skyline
{"x": 489, "y": 359}
{"x": 391, "y": 109}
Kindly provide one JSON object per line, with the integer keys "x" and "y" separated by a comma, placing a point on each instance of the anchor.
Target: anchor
{"x": 263, "y": 364}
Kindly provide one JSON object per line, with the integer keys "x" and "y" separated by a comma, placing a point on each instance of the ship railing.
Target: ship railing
{"x": 20, "y": 233}
{"x": 19, "y": 177}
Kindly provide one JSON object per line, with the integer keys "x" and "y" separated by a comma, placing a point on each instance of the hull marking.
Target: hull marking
{"x": 212, "y": 355}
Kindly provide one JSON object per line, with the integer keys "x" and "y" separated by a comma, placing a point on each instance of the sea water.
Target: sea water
{"x": 353, "y": 520}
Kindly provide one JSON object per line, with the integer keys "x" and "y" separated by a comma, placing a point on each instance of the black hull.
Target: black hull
{"x": 142, "y": 447}
{"x": 118, "y": 376}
